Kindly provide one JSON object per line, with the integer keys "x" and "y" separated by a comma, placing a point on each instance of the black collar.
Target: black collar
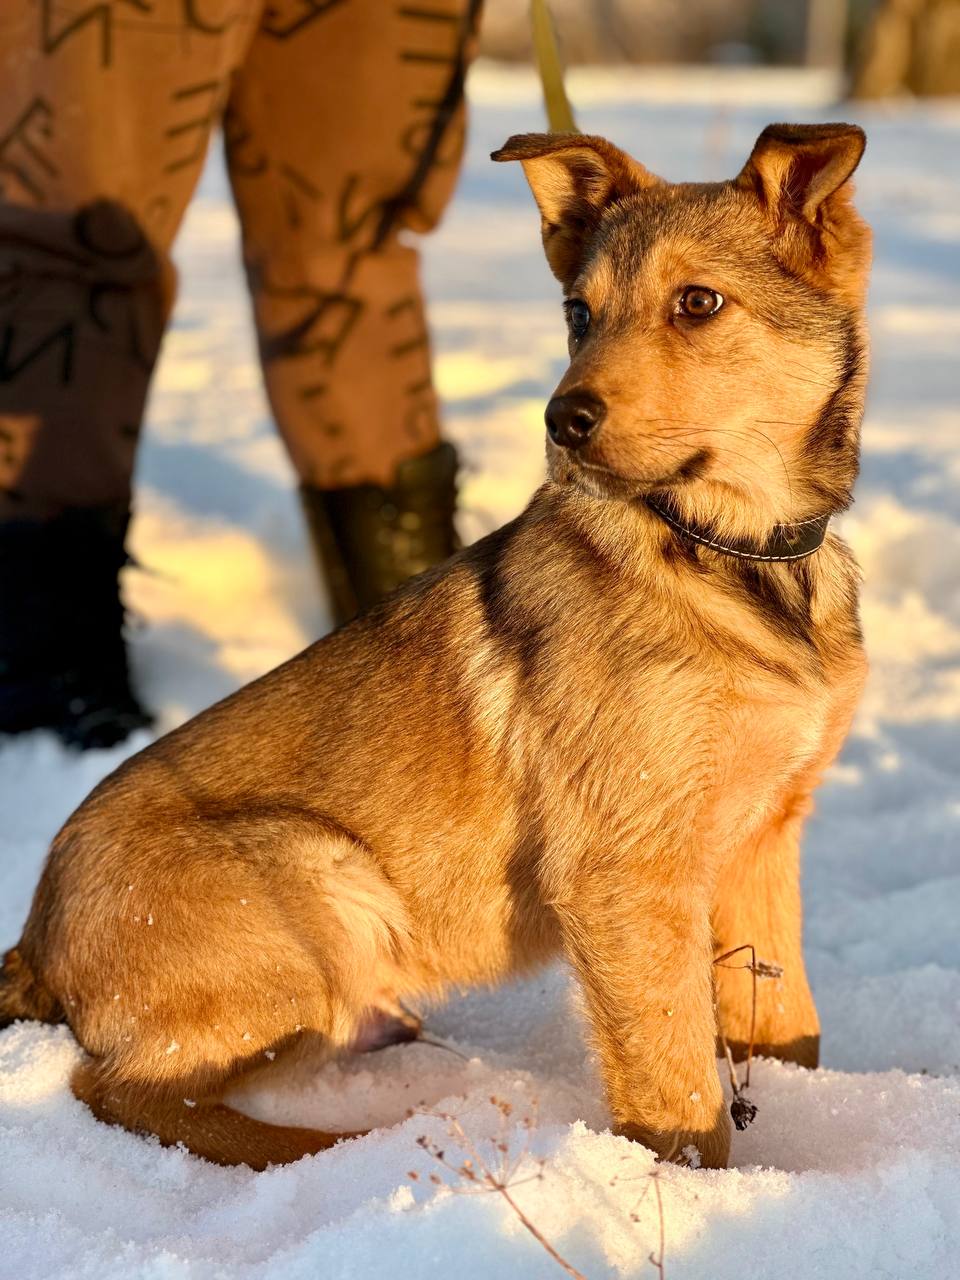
{"x": 787, "y": 542}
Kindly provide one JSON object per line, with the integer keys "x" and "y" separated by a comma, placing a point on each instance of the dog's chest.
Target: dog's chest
{"x": 685, "y": 741}
{"x": 771, "y": 738}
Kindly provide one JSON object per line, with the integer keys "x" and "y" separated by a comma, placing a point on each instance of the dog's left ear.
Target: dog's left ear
{"x": 801, "y": 175}
{"x": 573, "y": 177}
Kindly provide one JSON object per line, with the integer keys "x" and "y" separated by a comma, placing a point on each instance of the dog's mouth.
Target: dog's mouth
{"x": 602, "y": 481}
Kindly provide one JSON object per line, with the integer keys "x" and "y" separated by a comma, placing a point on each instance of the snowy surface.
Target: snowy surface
{"x": 851, "y": 1171}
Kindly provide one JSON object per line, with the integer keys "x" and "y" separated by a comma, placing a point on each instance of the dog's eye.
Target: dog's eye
{"x": 578, "y": 316}
{"x": 698, "y": 302}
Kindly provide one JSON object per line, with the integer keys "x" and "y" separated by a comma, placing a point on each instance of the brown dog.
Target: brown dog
{"x": 594, "y": 732}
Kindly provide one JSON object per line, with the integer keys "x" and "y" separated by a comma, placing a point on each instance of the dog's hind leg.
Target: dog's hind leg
{"x": 236, "y": 940}
{"x": 204, "y": 1126}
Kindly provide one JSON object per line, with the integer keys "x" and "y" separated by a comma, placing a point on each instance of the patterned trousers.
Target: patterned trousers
{"x": 343, "y": 125}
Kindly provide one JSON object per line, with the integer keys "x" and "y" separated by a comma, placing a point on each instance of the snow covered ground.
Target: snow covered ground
{"x": 851, "y": 1171}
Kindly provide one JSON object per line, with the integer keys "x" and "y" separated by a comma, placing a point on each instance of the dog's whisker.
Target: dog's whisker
{"x": 725, "y": 448}
{"x": 810, "y": 382}
{"x": 744, "y": 434}
{"x": 663, "y": 450}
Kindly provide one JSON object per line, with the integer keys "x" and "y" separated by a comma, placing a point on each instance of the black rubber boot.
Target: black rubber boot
{"x": 63, "y": 659}
{"x": 368, "y": 540}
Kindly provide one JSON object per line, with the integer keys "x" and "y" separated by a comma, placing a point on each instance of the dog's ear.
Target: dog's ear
{"x": 573, "y": 177}
{"x": 796, "y": 167}
{"x": 801, "y": 175}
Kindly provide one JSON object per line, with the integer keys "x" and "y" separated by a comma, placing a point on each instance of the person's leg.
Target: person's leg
{"x": 345, "y": 131}
{"x": 105, "y": 114}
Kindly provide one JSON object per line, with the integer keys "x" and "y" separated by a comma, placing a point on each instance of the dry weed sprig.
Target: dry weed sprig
{"x": 742, "y": 1110}
{"x": 657, "y": 1260}
{"x": 654, "y": 1257}
{"x": 478, "y": 1176}
{"x": 441, "y": 1044}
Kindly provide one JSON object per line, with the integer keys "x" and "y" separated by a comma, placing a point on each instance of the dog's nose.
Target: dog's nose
{"x": 573, "y": 418}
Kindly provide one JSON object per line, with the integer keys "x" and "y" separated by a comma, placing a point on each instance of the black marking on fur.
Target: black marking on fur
{"x": 681, "y": 553}
{"x": 509, "y": 624}
{"x": 780, "y": 594}
{"x": 589, "y": 557}
{"x": 832, "y": 428}
{"x": 694, "y": 468}
{"x": 831, "y": 450}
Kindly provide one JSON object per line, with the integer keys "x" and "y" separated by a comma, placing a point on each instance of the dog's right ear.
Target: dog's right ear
{"x": 573, "y": 177}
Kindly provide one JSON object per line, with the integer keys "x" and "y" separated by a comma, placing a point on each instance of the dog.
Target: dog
{"x": 594, "y": 733}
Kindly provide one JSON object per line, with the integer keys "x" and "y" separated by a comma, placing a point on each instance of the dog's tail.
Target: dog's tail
{"x": 23, "y": 995}
{"x": 206, "y": 1128}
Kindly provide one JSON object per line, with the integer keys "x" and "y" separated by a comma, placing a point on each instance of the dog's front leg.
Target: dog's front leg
{"x": 644, "y": 961}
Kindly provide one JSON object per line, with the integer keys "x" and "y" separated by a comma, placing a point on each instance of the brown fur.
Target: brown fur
{"x": 581, "y": 735}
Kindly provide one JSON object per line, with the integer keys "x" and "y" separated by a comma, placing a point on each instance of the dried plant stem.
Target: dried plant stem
{"x": 742, "y": 1110}
{"x": 752, "y": 966}
{"x": 477, "y": 1173}
{"x": 731, "y": 1068}
{"x": 654, "y": 1258}
{"x": 657, "y": 1260}
{"x": 439, "y": 1044}
{"x": 476, "y": 1170}
{"x": 538, "y": 1235}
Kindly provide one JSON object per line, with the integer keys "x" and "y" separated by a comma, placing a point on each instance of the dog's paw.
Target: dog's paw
{"x": 695, "y": 1148}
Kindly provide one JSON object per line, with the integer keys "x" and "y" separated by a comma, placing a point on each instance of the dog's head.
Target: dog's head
{"x": 715, "y": 330}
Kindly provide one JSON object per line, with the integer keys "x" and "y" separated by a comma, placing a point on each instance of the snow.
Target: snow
{"x": 850, "y": 1171}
